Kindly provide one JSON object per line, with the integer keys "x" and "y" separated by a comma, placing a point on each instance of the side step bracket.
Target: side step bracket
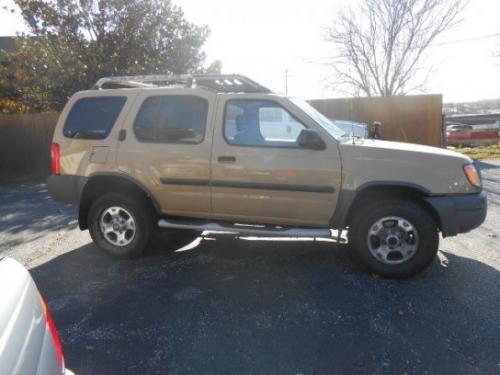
{"x": 245, "y": 229}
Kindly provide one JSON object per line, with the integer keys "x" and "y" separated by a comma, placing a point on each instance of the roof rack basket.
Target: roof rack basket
{"x": 216, "y": 82}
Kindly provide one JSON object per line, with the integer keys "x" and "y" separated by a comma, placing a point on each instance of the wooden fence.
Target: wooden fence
{"x": 25, "y": 139}
{"x": 25, "y": 145}
{"x": 416, "y": 119}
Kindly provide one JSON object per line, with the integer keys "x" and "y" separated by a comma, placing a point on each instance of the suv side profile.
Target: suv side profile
{"x": 222, "y": 152}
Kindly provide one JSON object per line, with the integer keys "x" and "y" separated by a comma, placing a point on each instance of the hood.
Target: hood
{"x": 433, "y": 170}
{"x": 376, "y": 144}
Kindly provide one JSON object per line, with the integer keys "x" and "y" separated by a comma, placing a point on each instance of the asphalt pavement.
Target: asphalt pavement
{"x": 225, "y": 305}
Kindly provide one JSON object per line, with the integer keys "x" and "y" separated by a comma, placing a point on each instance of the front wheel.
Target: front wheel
{"x": 394, "y": 238}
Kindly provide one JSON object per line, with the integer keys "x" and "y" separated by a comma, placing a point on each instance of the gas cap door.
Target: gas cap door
{"x": 99, "y": 154}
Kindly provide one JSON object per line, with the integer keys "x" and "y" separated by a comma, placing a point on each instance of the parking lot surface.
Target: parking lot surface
{"x": 226, "y": 305}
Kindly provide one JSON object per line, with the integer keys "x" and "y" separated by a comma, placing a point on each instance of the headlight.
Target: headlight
{"x": 472, "y": 175}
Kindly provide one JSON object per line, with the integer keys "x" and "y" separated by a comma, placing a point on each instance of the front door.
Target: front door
{"x": 259, "y": 172}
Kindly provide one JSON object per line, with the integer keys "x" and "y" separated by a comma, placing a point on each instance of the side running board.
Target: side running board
{"x": 245, "y": 229}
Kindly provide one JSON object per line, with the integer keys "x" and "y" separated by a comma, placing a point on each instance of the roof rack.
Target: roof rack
{"x": 216, "y": 82}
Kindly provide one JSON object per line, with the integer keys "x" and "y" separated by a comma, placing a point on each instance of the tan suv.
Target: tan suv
{"x": 221, "y": 152}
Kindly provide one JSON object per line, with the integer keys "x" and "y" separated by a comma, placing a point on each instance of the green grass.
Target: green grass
{"x": 480, "y": 153}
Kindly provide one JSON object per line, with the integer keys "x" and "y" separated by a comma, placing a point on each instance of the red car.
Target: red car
{"x": 471, "y": 135}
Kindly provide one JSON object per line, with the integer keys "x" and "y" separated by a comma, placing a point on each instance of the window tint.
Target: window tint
{"x": 172, "y": 119}
{"x": 260, "y": 123}
{"x": 93, "y": 118}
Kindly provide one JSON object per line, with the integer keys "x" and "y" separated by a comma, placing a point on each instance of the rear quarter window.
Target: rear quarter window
{"x": 93, "y": 118}
{"x": 172, "y": 119}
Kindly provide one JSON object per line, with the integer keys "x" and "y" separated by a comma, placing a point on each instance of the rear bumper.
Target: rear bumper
{"x": 459, "y": 213}
{"x": 66, "y": 189}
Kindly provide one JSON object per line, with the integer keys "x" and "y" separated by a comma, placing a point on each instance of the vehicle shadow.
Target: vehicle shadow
{"x": 228, "y": 305}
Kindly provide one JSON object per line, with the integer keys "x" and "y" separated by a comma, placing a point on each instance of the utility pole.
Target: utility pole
{"x": 286, "y": 81}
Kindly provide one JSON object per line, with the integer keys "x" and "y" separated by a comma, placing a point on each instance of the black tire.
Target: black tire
{"x": 144, "y": 223}
{"x": 427, "y": 233}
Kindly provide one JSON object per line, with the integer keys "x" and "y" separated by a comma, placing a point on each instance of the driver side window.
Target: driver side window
{"x": 265, "y": 123}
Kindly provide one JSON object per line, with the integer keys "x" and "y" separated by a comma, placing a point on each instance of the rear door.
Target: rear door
{"x": 167, "y": 148}
{"x": 260, "y": 174}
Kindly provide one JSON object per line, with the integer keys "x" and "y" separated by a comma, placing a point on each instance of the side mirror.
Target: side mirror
{"x": 310, "y": 139}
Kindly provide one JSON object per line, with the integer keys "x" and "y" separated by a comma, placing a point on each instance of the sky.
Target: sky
{"x": 263, "y": 39}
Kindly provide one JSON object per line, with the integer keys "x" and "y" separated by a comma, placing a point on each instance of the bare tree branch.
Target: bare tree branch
{"x": 381, "y": 43}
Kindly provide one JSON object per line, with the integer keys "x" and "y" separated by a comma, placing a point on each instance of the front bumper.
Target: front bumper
{"x": 459, "y": 213}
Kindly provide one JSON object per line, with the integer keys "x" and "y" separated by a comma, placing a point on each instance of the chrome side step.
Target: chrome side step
{"x": 245, "y": 229}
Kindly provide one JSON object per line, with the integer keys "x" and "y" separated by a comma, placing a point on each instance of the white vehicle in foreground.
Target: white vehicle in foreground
{"x": 29, "y": 343}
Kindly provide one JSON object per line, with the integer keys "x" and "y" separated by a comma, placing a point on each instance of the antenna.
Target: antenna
{"x": 286, "y": 82}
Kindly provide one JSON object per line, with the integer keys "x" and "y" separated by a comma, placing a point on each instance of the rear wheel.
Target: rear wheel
{"x": 394, "y": 238}
{"x": 121, "y": 225}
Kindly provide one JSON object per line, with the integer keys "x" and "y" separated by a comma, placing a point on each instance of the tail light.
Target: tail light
{"x": 53, "y": 332}
{"x": 55, "y": 158}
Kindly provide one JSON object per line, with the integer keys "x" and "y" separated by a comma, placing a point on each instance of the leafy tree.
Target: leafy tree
{"x": 72, "y": 43}
{"x": 381, "y": 43}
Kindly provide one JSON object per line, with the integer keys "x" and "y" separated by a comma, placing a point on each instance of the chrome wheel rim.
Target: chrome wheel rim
{"x": 117, "y": 226}
{"x": 393, "y": 240}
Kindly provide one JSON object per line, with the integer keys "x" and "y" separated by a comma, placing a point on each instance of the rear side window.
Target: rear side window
{"x": 93, "y": 118}
{"x": 172, "y": 119}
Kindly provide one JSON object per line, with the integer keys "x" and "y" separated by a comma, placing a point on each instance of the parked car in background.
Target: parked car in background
{"x": 458, "y": 134}
{"x": 472, "y": 135}
{"x": 221, "y": 152}
{"x": 352, "y": 128}
{"x": 29, "y": 343}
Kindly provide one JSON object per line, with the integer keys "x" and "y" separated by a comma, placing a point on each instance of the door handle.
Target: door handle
{"x": 226, "y": 159}
{"x": 122, "y": 135}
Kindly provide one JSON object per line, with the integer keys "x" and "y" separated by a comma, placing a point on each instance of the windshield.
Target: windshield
{"x": 320, "y": 119}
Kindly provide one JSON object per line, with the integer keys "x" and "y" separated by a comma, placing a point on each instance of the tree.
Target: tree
{"x": 381, "y": 43}
{"x": 72, "y": 43}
